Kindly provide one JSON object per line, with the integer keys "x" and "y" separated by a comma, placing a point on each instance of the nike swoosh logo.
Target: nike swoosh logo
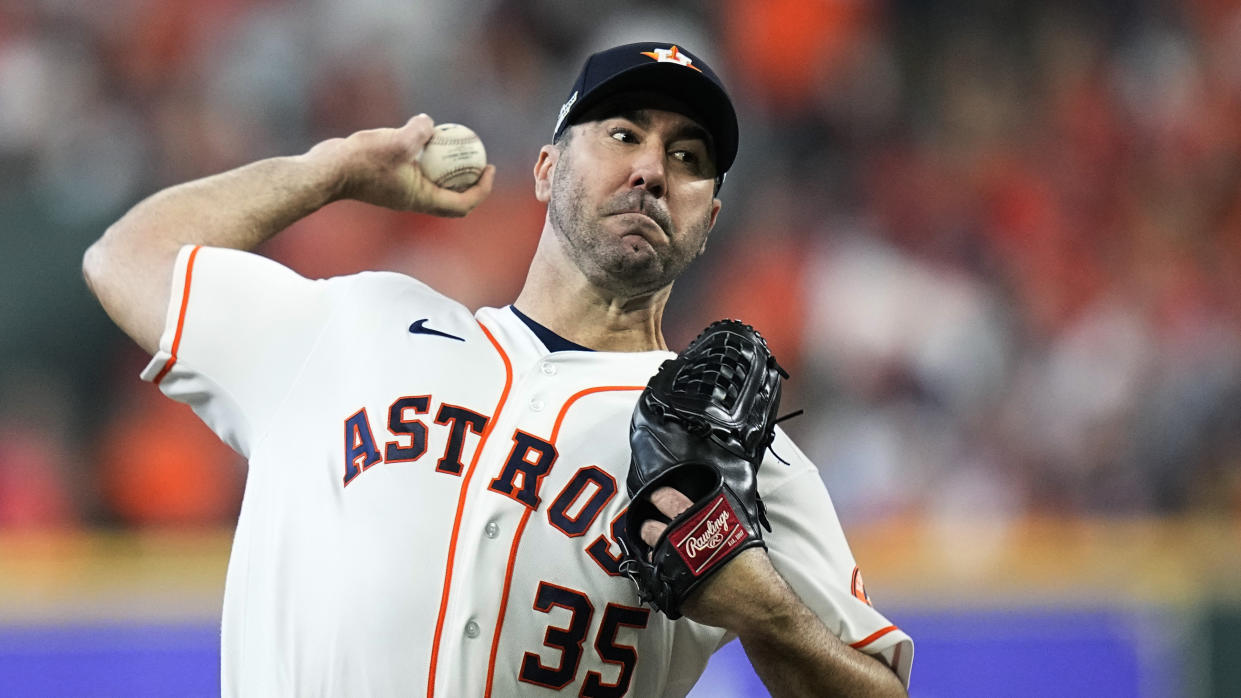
{"x": 420, "y": 327}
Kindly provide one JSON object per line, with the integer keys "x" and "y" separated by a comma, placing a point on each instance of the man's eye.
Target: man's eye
{"x": 623, "y": 135}
{"x": 691, "y": 160}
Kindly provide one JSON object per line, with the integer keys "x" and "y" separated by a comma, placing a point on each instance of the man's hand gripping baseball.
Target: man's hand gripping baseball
{"x": 380, "y": 167}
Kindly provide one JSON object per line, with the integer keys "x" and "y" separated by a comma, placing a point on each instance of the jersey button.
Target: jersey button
{"x": 492, "y": 529}
{"x": 471, "y": 630}
{"x": 536, "y": 405}
{"x": 548, "y": 369}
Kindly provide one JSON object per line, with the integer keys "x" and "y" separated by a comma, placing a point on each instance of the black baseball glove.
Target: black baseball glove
{"x": 701, "y": 426}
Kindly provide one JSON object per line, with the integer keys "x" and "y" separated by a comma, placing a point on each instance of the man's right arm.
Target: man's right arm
{"x": 130, "y": 268}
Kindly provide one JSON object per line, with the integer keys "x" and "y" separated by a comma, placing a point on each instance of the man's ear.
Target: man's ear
{"x": 716, "y": 205}
{"x": 543, "y": 169}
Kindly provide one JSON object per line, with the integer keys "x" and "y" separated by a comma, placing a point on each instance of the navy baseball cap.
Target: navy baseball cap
{"x": 664, "y": 69}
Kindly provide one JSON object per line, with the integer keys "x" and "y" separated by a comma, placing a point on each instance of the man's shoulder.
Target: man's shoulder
{"x": 385, "y": 287}
{"x": 381, "y": 279}
{"x": 267, "y": 278}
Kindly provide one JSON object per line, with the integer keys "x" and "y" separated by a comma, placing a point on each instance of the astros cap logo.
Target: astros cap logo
{"x": 671, "y": 55}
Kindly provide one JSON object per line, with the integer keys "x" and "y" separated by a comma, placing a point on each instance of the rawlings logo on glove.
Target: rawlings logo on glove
{"x": 701, "y": 427}
{"x": 713, "y": 532}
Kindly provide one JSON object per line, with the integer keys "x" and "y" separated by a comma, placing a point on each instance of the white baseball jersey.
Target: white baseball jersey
{"x": 433, "y": 497}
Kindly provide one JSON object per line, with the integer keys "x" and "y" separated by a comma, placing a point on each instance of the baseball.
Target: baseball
{"x": 454, "y": 158}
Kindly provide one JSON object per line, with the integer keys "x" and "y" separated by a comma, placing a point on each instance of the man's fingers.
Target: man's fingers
{"x": 446, "y": 202}
{"x": 651, "y": 531}
{"x": 420, "y": 127}
{"x": 482, "y": 188}
{"x": 670, "y": 503}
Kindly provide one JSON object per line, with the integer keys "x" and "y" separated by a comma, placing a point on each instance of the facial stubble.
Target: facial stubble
{"x": 613, "y": 264}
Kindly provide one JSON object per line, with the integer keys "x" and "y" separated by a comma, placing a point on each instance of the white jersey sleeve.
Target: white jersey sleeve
{"x": 238, "y": 329}
{"x": 808, "y": 547}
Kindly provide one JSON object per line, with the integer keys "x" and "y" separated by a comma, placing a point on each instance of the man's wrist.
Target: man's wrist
{"x": 747, "y": 597}
{"x": 327, "y": 168}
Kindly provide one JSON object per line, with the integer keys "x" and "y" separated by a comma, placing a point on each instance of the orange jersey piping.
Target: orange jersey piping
{"x": 873, "y": 636}
{"x": 456, "y": 524}
{"x": 185, "y": 301}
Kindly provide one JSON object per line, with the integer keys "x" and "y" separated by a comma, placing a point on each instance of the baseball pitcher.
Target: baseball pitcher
{"x": 533, "y": 500}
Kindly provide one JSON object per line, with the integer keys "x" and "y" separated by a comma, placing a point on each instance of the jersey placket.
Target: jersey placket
{"x": 489, "y": 525}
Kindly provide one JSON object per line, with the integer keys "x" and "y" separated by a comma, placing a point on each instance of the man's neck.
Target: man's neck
{"x": 559, "y": 297}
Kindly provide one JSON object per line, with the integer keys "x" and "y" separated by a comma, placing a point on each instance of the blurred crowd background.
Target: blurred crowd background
{"x": 997, "y": 243}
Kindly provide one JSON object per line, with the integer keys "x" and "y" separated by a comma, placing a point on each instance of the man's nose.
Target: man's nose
{"x": 648, "y": 169}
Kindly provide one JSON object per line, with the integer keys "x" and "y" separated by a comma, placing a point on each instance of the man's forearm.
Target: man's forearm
{"x": 791, "y": 649}
{"x": 238, "y": 209}
{"x": 795, "y": 655}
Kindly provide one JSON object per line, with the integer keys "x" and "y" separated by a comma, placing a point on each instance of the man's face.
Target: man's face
{"x": 632, "y": 198}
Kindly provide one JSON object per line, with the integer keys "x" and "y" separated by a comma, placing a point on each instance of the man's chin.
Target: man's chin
{"x": 635, "y": 270}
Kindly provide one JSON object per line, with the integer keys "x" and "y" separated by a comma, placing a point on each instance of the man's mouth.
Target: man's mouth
{"x": 648, "y": 215}
{"x": 640, "y": 226}
{"x": 639, "y": 215}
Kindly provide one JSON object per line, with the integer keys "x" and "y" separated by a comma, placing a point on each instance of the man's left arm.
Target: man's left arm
{"x": 790, "y": 647}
